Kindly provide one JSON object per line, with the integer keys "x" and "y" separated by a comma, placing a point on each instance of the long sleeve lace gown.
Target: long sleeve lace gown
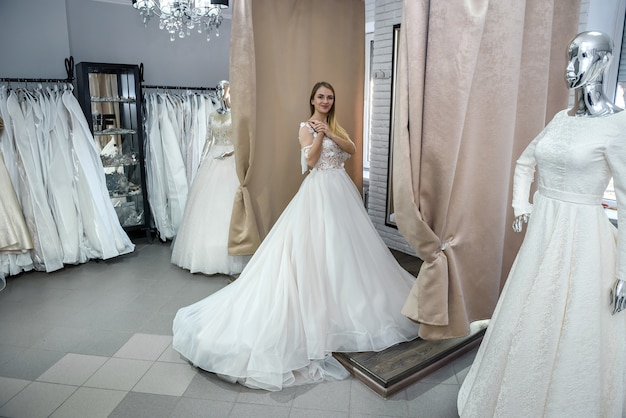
{"x": 553, "y": 348}
{"x": 322, "y": 281}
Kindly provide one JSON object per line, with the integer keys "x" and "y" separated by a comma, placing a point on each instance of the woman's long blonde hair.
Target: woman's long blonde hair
{"x": 332, "y": 121}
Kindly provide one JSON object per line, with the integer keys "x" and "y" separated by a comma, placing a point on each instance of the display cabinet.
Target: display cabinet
{"x": 110, "y": 96}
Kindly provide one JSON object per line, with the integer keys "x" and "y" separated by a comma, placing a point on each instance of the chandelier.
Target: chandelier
{"x": 180, "y": 17}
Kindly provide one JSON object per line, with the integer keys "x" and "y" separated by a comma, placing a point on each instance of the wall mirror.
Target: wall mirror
{"x": 390, "y": 217}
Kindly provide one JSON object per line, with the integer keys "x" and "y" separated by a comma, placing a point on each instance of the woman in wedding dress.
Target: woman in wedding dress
{"x": 556, "y": 344}
{"x": 201, "y": 244}
{"x": 322, "y": 281}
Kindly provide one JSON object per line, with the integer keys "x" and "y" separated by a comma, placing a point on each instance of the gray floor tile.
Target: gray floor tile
{"x": 23, "y": 333}
{"x": 10, "y": 387}
{"x": 64, "y": 339}
{"x": 72, "y": 369}
{"x": 37, "y": 400}
{"x": 172, "y": 356}
{"x": 316, "y": 413}
{"x": 202, "y": 408}
{"x": 158, "y": 323}
{"x": 98, "y": 402}
{"x": 364, "y": 401}
{"x": 145, "y": 405}
{"x": 102, "y": 343}
{"x": 119, "y": 374}
{"x": 262, "y": 397}
{"x": 244, "y": 410}
{"x": 206, "y": 385}
{"x": 432, "y": 400}
{"x": 144, "y": 347}
{"x": 166, "y": 379}
{"x": 445, "y": 374}
{"x": 30, "y": 363}
{"x": 328, "y": 396}
{"x": 8, "y": 352}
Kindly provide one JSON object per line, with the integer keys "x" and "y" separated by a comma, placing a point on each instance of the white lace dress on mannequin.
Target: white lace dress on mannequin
{"x": 553, "y": 348}
{"x": 201, "y": 244}
{"x": 322, "y": 281}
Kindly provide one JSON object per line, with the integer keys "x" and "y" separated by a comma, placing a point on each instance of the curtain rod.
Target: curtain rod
{"x": 34, "y": 80}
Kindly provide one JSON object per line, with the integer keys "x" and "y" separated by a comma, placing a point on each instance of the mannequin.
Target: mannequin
{"x": 589, "y": 55}
{"x": 201, "y": 245}
{"x": 554, "y": 346}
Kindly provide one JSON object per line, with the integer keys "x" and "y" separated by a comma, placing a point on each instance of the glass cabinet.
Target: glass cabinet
{"x": 110, "y": 96}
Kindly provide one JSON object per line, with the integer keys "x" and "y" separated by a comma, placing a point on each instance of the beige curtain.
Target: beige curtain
{"x": 477, "y": 80}
{"x": 277, "y": 55}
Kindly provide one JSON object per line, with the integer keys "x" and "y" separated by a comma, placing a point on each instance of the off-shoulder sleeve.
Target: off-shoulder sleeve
{"x": 304, "y": 152}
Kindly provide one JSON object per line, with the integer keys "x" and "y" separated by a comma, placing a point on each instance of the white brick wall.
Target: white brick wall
{"x": 387, "y": 13}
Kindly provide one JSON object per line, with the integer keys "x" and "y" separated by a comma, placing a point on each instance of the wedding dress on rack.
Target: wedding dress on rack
{"x": 58, "y": 178}
{"x": 47, "y": 251}
{"x": 201, "y": 245}
{"x": 175, "y": 132}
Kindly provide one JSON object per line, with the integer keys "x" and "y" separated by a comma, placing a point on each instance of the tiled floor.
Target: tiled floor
{"x": 94, "y": 340}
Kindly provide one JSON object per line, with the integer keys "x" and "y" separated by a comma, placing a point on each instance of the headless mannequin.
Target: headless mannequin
{"x": 589, "y": 55}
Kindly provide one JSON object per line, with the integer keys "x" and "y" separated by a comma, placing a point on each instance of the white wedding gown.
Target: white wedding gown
{"x": 201, "y": 244}
{"x": 322, "y": 281}
{"x": 553, "y": 348}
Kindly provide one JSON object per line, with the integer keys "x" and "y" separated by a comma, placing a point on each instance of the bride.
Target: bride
{"x": 322, "y": 281}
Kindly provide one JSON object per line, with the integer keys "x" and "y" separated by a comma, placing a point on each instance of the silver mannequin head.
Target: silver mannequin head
{"x": 222, "y": 91}
{"x": 588, "y": 57}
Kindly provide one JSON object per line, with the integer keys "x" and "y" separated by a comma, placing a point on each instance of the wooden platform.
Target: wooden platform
{"x": 392, "y": 370}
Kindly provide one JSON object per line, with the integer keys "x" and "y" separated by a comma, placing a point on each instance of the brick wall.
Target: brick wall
{"x": 387, "y": 13}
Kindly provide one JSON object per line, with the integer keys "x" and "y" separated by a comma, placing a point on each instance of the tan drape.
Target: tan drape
{"x": 477, "y": 80}
{"x": 277, "y": 55}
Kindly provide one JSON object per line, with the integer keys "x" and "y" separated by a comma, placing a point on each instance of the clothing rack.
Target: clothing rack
{"x": 69, "y": 68}
{"x": 162, "y": 87}
{"x": 177, "y": 87}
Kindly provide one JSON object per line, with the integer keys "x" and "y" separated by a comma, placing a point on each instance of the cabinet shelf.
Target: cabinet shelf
{"x": 115, "y": 131}
{"x": 113, "y": 99}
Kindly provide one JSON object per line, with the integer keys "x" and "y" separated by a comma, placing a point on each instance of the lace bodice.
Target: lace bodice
{"x": 331, "y": 157}
{"x": 575, "y": 156}
{"x": 220, "y": 128}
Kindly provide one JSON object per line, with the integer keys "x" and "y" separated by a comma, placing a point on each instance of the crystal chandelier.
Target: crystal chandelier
{"x": 180, "y": 17}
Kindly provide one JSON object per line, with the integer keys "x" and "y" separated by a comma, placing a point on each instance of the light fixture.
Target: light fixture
{"x": 180, "y": 17}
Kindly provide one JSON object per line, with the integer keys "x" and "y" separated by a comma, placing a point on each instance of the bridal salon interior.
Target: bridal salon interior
{"x": 110, "y": 126}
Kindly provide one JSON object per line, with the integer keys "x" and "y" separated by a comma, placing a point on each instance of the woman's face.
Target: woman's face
{"x": 323, "y": 100}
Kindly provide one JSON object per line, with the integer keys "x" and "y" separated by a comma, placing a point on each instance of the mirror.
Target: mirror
{"x": 390, "y": 218}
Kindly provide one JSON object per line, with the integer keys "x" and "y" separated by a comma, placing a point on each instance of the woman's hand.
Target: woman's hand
{"x": 320, "y": 127}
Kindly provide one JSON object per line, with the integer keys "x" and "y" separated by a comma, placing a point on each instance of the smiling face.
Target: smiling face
{"x": 323, "y": 100}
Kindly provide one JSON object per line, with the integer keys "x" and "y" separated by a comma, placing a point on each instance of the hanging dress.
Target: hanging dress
{"x": 322, "y": 281}
{"x": 201, "y": 244}
{"x": 102, "y": 229}
{"x": 47, "y": 249}
{"x": 13, "y": 262}
{"x": 553, "y": 348}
